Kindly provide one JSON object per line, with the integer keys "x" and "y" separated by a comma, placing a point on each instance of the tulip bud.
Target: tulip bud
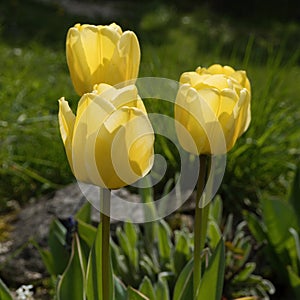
{"x": 109, "y": 142}
{"x": 101, "y": 54}
{"x": 212, "y": 105}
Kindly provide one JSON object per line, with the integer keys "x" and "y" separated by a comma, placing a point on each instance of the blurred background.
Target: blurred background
{"x": 261, "y": 37}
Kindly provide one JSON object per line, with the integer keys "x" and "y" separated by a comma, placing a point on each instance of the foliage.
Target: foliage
{"x": 279, "y": 229}
{"x": 159, "y": 268}
{"x": 4, "y": 291}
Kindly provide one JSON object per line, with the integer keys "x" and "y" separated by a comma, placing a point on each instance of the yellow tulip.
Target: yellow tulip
{"x": 109, "y": 143}
{"x": 208, "y": 99}
{"x": 101, "y": 54}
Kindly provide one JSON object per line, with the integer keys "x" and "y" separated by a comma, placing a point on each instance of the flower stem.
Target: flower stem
{"x": 105, "y": 220}
{"x": 200, "y": 224}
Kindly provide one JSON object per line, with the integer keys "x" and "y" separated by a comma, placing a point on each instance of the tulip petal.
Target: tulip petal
{"x": 191, "y": 78}
{"x": 66, "y": 125}
{"x": 117, "y": 140}
{"x": 91, "y": 113}
{"x": 125, "y": 62}
{"x": 89, "y": 49}
{"x": 126, "y": 96}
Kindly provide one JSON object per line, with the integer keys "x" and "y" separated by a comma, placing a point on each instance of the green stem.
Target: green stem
{"x": 200, "y": 224}
{"x": 105, "y": 220}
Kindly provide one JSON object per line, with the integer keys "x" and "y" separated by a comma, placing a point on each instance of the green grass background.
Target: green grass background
{"x": 174, "y": 38}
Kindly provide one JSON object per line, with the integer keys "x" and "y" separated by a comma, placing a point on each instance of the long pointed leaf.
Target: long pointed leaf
{"x": 211, "y": 285}
{"x": 120, "y": 289}
{"x": 84, "y": 214}
{"x": 147, "y": 289}
{"x": 133, "y": 294}
{"x": 184, "y": 284}
{"x": 4, "y": 292}
{"x": 162, "y": 289}
{"x": 294, "y": 196}
{"x": 295, "y": 282}
{"x": 71, "y": 284}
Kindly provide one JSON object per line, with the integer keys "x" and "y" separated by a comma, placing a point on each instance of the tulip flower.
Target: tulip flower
{"x": 109, "y": 143}
{"x": 101, "y": 54}
{"x": 208, "y": 99}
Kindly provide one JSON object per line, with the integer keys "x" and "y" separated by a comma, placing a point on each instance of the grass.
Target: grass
{"x": 32, "y": 156}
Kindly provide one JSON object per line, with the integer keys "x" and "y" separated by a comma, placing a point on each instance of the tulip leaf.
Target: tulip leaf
{"x": 256, "y": 227}
{"x": 216, "y": 209}
{"x": 130, "y": 250}
{"x": 147, "y": 288}
{"x": 131, "y": 233}
{"x": 294, "y": 198}
{"x": 4, "y": 292}
{"x": 184, "y": 284}
{"x": 120, "y": 289}
{"x": 133, "y": 294}
{"x": 278, "y": 217}
{"x": 57, "y": 245}
{"x": 164, "y": 241}
{"x": 86, "y": 232}
{"x": 211, "y": 285}
{"x": 214, "y": 233}
{"x": 182, "y": 251}
{"x": 245, "y": 273}
{"x": 294, "y": 281}
{"x": 94, "y": 270}
{"x": 47, "y": 258}
{"x": 71, "y": 283}
{"x": 118, "y": 260}
{"x": 293, "y": 248}
{"x": 162, "y": 289}
{"x": 84, "y": 213}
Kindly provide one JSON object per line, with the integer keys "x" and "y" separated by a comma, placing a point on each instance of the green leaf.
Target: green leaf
{"x": 216, "y": 209}
{"x": 147, "y": 288}
{"x": 293, "y": 247}
{"x": 118, "y": 260}
{"x": 129, "y": 251}
{"x": 94, "y": 270}
{"x": 211, "y": 285}
{"x": 4, "y": 291}
{"x": 278, "y": 217}
{"x": 184, "y": 284}
{"x": 245, "y": 273}
{"x": 48, "y": 261}
{"x": 47, "y": 258}
{"x": 86, "y": 232}
{"x": 294, "y": 281}
{"x": 164, "y": 241}
{"x": 84, "y": 214}
{"x": 214, "y": 233}
{"x": 71, "y": 283}
{"x": 256, "y": 227}
{"x": 182, "y": 251}
{"x": 120, "y": 289}
{"x": 131, "y": 233}
{"x": 228, "y": 232}
{"x": 162, "y": 289}
{"x": 133, "y": 294}
{"x": 295, "y": 235}
{"x": 57, "y": 245}
{"x": 294, "y": 197}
